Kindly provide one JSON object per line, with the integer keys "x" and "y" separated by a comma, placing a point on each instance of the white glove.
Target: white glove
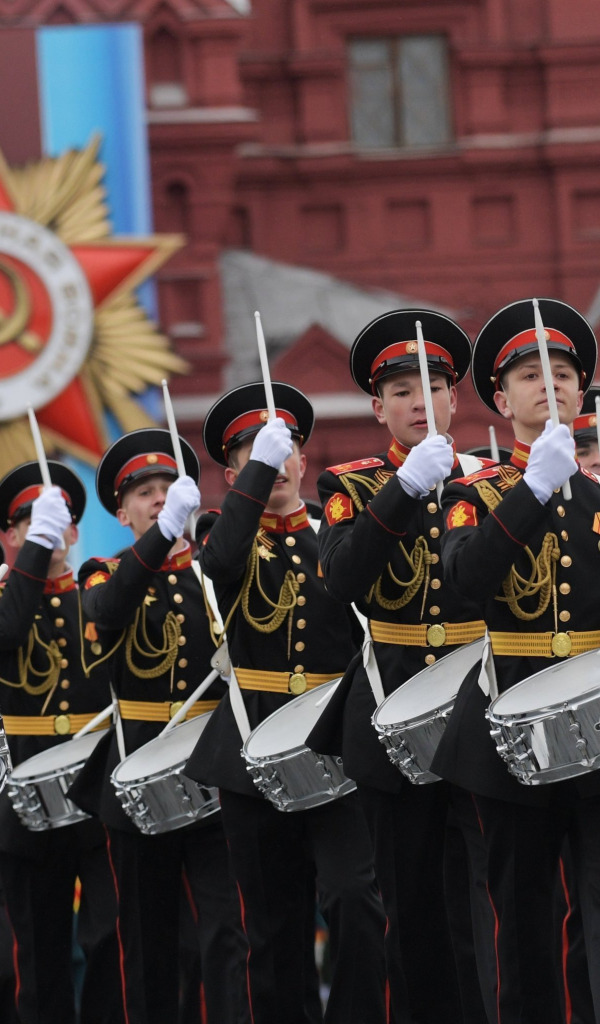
{"x": 425, "y": 465}
{"x": 50, "y": 517}
{"x": 183, "y": 498}
{"x": 273, "y": 444}
{"x": 551, "y": 461}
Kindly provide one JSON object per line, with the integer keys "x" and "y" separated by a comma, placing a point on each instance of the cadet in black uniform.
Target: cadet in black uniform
{"x": 151, "y": 599}
{"x": 380, "y": 547}
{"x": 49, "y": 689}
{"x": 285, "y": 635}
{"x": 530, "y": 559}
{"x": 585, "y": 432}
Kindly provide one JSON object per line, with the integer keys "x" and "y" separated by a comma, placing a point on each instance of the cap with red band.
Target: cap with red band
{"x": 142, "y": 453}
{"x": 20, "y": 488}
{"x": 239, "y": 414}
{"x": 388, "y": 345}
{"x": 143, "y": 465}
{"x": 394, "y": 355}
{"x": 248, "y": 422}
{"x": 26, "y": 497}
{"x": 511, "y": 334}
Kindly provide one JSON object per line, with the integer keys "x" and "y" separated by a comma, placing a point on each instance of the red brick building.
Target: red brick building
{"x": 444, "y": 152}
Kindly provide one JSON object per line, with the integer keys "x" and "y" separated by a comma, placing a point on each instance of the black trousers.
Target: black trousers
{"x": 39, "y": 901}
{"x": 273, "y": 854}
{"x": 409, "y": 832}
{"x": 539, "y": 972}
{"x": 149, "y": 875}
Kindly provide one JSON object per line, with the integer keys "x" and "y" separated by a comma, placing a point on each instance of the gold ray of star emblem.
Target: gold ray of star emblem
{"x": 63, "y": 198}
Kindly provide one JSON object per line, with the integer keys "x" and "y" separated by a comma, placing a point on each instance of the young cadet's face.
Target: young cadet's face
{"x": 523, "y": 397}
{"x": 401, "y": 405}
{"x": 588, "y": 455}
{"x": 285, "y": 495}
{"x": 142, "y": 502}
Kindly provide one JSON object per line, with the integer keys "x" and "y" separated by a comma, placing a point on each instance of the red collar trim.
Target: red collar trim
{"x": 180, "y": 560}
{"x": 61, "y": 584}
{"x": 397, "y": 453}
{"x": 291, "y": 523}
{"x": 520, "y": 454}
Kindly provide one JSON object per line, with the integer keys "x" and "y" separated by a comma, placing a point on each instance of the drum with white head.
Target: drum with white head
{"x": 38, "y": 787}
{"x": 547, "y": 727}
{"x": 151, "y": 787}
{"x": 284, "y": 769}
{"x": 411, "y": 721}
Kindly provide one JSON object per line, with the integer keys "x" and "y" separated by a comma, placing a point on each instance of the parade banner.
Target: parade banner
{"x": 77, "y": 337}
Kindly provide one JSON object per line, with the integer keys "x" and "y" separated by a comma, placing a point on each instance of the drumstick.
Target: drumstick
{"x": 330, "y": 693}
{"x": 96, "y": 720}
{"x": 193, "y": 697}
{"x": 264, "y": 366}
{"x": 494, "y": 451}
{"x": 173, "y": 430}
{"x": 540, "y": 334}
{"x": 39, "y": 448}
{"x": 176, "y": 442}
{"x": 3, "y": 570}
{"x": 426, "y": 386}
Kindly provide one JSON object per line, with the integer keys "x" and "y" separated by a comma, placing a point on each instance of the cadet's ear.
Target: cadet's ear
{"x": 230, "y": 475}
{"x": 502, "y": 404}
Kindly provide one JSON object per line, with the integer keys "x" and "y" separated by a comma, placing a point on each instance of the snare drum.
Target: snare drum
{"x": 411, "y": 721}
{"x": 38, "y": 787}
{"x": 547, "y": 727}
{"x": 152, "y": 790}
{"x": 283, "y": 768}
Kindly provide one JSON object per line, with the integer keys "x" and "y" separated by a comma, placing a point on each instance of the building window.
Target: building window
{"x": 399, "y": 92}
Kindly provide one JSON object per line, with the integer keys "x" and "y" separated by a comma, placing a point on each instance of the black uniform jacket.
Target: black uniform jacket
{"x": 316, "y": 637}
{"x": 41, "y": 624}
{"x": 380, "y": 549}
{"x": 151, "y": 610}
{"x": 496, "y": 526}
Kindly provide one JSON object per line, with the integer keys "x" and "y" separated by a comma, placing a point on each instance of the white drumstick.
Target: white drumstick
{"x": 173, "y": 430}
{"x": 176, "y": 442}
{"x": 426, "y": 386}
{"x": 597, "y": 404}
{"x": 540, "y": 334}
{"x": 3, "y": 570}
{"x": 95, "y": 721}
{"x": 264, "y": 366}
{"x": 39, "y": 448}
{"x": 494, "y": 450}
{"x": 193, "y": 697}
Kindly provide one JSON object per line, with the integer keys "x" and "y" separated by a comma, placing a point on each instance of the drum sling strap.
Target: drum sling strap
{"x": 220, "y": 659}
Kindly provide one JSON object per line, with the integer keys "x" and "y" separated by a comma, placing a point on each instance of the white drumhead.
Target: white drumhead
{"x": 431, "y": 688}
{"x": 163, "y": 752}
{"x": 563, "y": 681}
{"x": 288, "y": 727}
{"x": 59, "y": 757}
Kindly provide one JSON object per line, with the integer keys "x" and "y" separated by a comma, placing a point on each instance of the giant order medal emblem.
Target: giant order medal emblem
{"x": 46, "y": 315}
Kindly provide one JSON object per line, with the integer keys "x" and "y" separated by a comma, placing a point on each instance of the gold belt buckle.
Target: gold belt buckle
{"x": 62, "y": 725}
{"x": 436, "y": 635}
{"x": 297, "y": 683}
{"x": 561, "y": 645}
{"x": 175, "y": 707}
